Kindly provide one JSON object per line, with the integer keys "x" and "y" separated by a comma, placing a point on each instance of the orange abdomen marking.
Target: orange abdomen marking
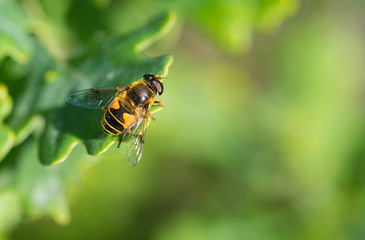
{"x": 117, "y": 118}
{"x": 129, "y": 120}
{"x": 115, "y": 103}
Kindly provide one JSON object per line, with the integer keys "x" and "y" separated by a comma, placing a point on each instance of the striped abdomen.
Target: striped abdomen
{"x": 116, "y": 120}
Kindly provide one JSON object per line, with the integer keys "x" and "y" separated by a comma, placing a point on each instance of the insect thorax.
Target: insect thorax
{"x": 139, "y": 95}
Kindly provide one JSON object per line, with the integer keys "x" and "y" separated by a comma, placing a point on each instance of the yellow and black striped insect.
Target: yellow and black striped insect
{"x": 126, "y": 110}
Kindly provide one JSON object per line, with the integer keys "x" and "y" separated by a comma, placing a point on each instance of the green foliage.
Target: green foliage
{"x": 229, "y": 24}
{"x": 14, "y": 26}
{"x": 7, "y": 136}
{"x": 49, "y": 48}
{"x": 115, "y": 62}
{"x": 232, "y": 25}
{"x": 39, "y": 90}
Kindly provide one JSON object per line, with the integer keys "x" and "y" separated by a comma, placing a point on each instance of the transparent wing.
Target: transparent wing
{"x": 133, "y": 141}
{"x": 94, "y": 97}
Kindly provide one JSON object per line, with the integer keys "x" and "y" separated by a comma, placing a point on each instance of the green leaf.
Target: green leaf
{"x": 7, "y": 139}
{"x": 115, "y": 62}
{"x": 41, "y": 189}
{"x": 14, "y": 38}
{"x": 7, "y": 135}
{"x": 34, "y": 190}
{"x": 232, "y": 25}
{"x": 47, "y": 20}
{"x": 32, "y": 92}
{"x": 271, "y": 14}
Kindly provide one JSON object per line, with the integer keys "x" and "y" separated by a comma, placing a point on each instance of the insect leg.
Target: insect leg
{"x": 158, "y": 103}
{"x": 120, "y": 140}
{"x": 150, "y": 115}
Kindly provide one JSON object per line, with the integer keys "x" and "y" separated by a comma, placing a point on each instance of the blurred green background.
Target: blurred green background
{"x": 261, "y": 135}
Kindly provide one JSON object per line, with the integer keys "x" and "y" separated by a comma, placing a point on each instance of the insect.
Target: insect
{"x": 126, "y": 111}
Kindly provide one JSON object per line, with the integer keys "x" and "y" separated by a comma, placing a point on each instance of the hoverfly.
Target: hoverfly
{"x": 126, "y": 111}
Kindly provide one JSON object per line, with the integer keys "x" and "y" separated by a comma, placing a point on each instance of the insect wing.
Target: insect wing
{"x": 94, "y": 98}
{"x": 134, "y": 141}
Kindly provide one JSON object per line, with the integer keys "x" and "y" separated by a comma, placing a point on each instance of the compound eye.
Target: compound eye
{"x": 149, "y": 76}
{"x": 159, "y": 87}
